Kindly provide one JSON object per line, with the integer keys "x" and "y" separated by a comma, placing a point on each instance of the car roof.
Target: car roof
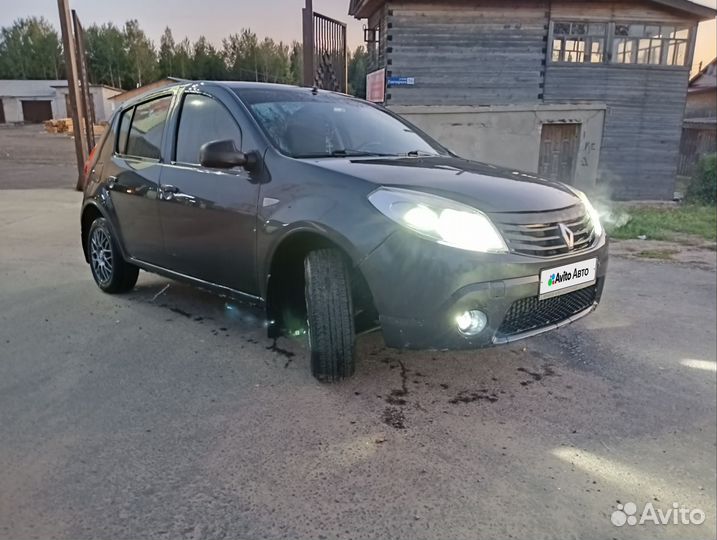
{"x": 256, "y": 85}
{"x": 231, "y": 85}
{"x": 250, "y": 85}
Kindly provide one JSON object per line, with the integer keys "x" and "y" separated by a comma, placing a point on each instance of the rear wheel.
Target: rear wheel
{"x": 329, "y": 315}
{"x": 111, "y": 272}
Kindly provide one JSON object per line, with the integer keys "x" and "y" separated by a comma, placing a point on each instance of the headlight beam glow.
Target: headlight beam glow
{"x": 592, "y": 212}
{"x": 443, "y": 220}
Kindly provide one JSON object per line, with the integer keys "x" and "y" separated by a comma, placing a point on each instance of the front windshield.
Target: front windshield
{"x": 305, "y": 124}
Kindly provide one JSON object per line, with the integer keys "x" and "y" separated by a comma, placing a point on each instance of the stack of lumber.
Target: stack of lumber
{"x": 59, "y": 125}
{"x": 64, "y": 125}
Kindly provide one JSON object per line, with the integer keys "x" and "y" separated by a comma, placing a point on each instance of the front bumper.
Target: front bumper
{"x": 419, "y": 287}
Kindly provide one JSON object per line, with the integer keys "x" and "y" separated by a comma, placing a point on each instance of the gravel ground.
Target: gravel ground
{"x": 31, "y": 158}
{"x": 166, "y": 413}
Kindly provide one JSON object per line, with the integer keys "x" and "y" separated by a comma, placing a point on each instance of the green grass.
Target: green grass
{"x": 668, "y": 223}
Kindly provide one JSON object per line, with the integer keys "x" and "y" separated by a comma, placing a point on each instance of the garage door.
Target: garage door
{"x": 36, "y": 111}
{"x": 2, "y": 113}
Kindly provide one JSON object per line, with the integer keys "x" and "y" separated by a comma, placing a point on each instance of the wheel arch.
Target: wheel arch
{"x": 284, "y": 286}
{"x": 90, "y": 212}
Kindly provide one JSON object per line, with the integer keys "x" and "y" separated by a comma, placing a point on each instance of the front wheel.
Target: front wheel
{"x": 111, "y": 272}
{"x": 329, "y": 315}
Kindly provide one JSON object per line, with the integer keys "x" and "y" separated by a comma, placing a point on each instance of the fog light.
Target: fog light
{"x": 471, "y": 322}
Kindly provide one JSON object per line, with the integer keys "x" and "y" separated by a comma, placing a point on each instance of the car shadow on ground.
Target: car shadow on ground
{"x": 404, "y": 388}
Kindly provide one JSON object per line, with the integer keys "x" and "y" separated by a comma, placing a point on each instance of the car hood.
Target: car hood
{"x": 486, "y": 187}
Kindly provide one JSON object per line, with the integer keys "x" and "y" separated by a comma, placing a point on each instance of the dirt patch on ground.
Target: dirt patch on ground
{"x": 394, "y": 417}
{"x": 690, "y": 250}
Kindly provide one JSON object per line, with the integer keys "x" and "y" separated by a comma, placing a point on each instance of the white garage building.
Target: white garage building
{"x": 37, "y": 101}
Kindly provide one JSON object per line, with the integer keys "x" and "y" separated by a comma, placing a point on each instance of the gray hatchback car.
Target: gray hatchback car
{"x": 336, "y": 216}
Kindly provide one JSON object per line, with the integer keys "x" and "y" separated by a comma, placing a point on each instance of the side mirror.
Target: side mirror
{"x": 224, "y": 155}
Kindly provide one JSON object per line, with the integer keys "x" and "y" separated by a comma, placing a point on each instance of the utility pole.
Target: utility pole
{"x": 84, "y": 82}
{"x": 76, "y": 101}
{"x": 308, "y": 47}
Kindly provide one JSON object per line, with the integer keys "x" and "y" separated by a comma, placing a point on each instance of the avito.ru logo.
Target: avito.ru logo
{"x": 626, "y": 514}
{"x": 560, "y": 277}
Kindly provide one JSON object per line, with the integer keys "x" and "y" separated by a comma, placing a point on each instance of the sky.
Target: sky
{"x": 216, "y": 19}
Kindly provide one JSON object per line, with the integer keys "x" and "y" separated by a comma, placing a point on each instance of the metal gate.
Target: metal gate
{"x": 324, "y": 51}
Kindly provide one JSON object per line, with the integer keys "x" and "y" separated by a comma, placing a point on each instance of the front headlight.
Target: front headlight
{"x": 592, "y": 212}
{"x": 440, "y": 219}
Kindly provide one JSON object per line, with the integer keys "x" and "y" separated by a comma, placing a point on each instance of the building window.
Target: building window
{"x": 578, "y": 42}
{"x": 650, "y": 44}
{"x": 632, "y": 43}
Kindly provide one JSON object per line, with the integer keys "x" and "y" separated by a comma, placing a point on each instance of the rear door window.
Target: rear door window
{"x": 123, "y": 130}
{"x": 202, "y": 120}
{"x": 145, "y": 134}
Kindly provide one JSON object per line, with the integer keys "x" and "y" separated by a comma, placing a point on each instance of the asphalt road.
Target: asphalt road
{"x": 165, "y": 413}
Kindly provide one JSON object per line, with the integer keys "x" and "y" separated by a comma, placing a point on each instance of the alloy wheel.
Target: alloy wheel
{"x": 101, "y": 255}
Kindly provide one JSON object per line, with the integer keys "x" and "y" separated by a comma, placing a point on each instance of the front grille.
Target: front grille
{"x": 539, "y": 233}
{"x": 530, "y": 313}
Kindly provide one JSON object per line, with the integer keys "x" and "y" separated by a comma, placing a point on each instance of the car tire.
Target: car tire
{"x": 329, "y": 315}
{"x": 111, "y": 272}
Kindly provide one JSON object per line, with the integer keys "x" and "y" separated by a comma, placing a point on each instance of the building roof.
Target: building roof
{"x": 128, "y": 94}
{"x": 28, "y": 88}
{"x": 703, "y": 12}
{"x": 20, "y": 88}
{"x": 107, "y": 86}
{"x": 705, "y": 78}
{"x": 361, "y": 9}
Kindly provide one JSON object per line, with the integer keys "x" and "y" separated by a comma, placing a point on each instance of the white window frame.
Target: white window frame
{"x": 610, "y": 40}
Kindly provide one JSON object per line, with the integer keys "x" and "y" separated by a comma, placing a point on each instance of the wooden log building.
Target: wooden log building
{"x": 591, "y": 92}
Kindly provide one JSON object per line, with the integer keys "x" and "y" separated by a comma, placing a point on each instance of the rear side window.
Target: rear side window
{"x": 104, "y": 147}
{"x": 123, "y": 130}
{"x": 203, "y": 119}
{"x": 145, "y": 133}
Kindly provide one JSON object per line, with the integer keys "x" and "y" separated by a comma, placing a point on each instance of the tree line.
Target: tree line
{"x": 124, "y": 57}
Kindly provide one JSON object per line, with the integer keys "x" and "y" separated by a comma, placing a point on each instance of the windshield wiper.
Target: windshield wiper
{"x": 342, "y": 152}
{"x": 417, "y": 153}
{"x": 350, "y": 152}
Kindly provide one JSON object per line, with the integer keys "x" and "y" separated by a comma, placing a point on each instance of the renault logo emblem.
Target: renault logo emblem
{"x": 567, "y": 235}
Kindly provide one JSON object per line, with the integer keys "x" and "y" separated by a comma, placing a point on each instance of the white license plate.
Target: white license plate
{"x": 566, "y": 278}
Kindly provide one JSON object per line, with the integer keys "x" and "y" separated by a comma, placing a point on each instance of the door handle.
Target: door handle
{"x": 111, "y": 181}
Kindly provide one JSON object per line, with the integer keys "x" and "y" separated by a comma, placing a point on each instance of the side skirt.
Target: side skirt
{"x": 219, "y": 290}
